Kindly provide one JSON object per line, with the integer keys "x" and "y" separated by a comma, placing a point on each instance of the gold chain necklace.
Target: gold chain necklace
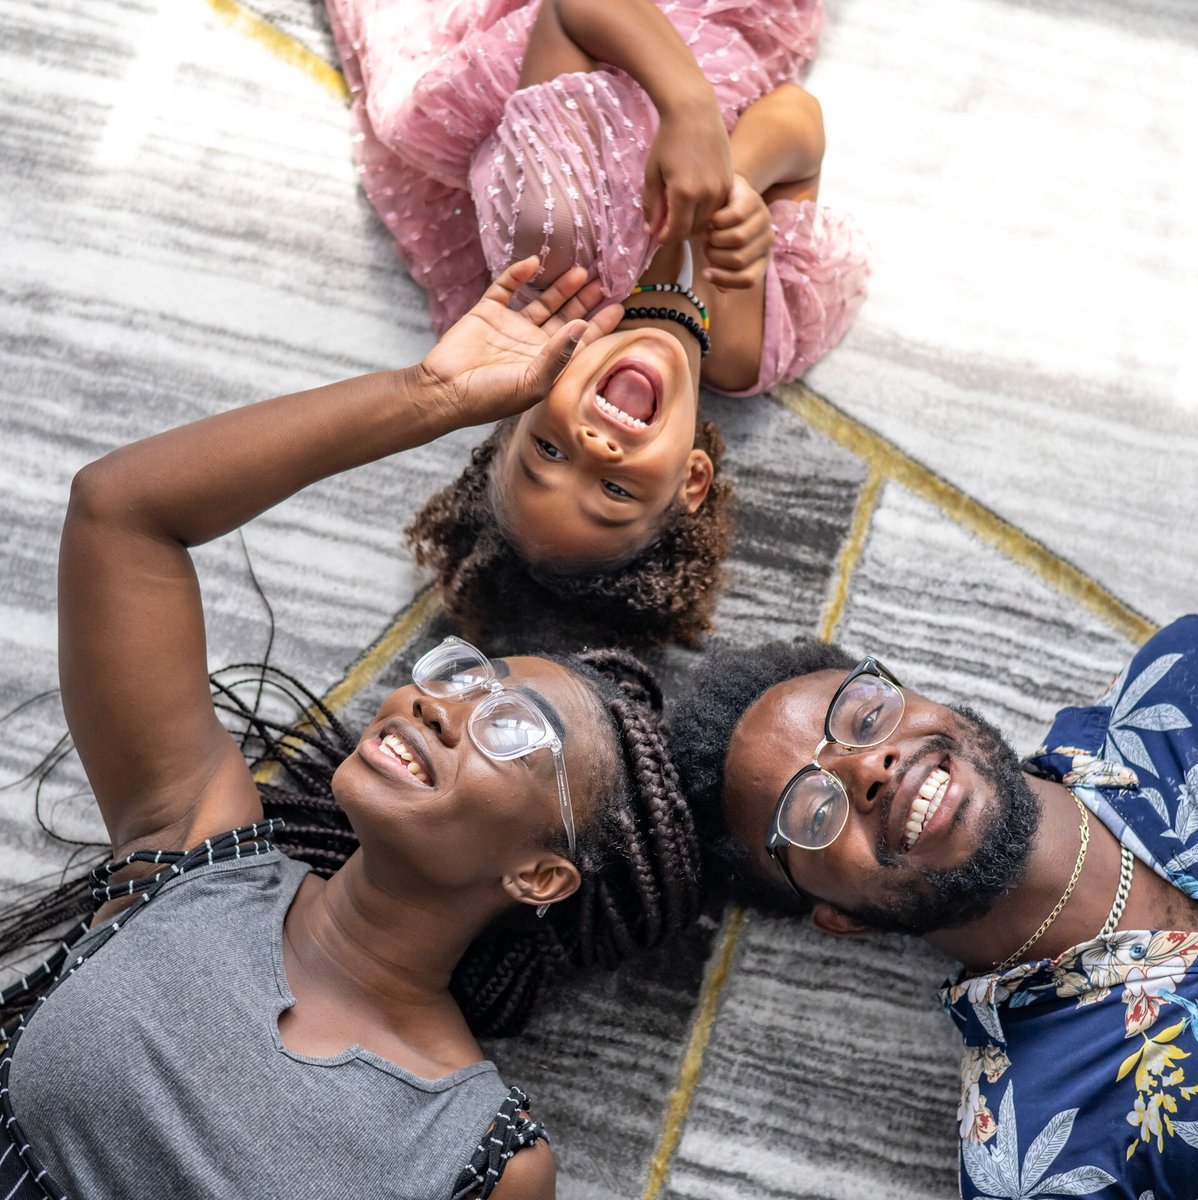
{"x": 1084, "y": 831}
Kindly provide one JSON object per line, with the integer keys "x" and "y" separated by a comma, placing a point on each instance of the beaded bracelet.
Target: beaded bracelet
{"x": 681, "y": 291}
{"x": 672, "y": 314}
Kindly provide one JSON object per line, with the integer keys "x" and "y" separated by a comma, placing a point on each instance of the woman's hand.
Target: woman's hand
{"x": 688, "y": 173}
{"x": 495, "y": 362}
{"x": 739, "y": 238}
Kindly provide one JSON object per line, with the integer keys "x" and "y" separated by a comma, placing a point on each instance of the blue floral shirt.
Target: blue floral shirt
{"x": 1080, "y": 1073}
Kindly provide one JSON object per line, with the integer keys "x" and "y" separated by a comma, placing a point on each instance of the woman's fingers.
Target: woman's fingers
{"x": 563, "y": 299}
{"x": 603, "y": 322}
{"x": 511, "y": 279}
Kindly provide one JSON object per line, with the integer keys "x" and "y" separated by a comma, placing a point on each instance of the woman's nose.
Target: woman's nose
{"x": 601, "y": 445}
{"x": 444, "y": 720}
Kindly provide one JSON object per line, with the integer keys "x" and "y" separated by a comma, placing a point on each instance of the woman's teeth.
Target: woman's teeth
{"x": 925, "y": 804}
{"x": 619, "y": 414}
{"x": 394, "y": 746}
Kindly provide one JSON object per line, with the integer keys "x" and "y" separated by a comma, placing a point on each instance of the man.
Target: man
{"x": 1067, "y": 887}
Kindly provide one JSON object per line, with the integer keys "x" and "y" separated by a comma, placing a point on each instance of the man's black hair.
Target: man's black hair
{"x": 716, "y": 695}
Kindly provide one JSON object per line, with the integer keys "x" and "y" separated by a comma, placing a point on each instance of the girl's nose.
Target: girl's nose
{"x": 601, "y": 445}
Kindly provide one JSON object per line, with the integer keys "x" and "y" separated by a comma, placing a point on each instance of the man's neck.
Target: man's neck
{"x": 987, "y": 941}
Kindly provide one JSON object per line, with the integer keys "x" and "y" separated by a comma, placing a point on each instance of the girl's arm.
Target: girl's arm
{"x": 778, "y": 144}
{"x": 777, "y": 149}
{"x": 133, "y": 663}
{"x": 689, "y": 170}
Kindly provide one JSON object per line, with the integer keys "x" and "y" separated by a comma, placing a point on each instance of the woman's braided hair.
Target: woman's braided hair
{"x": 638, "y": 854}
{"x": 665, "y": 593}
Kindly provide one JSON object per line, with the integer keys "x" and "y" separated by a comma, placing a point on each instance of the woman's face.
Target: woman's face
{"x": 589, "y": 473}
{"x": 429, "y": 808}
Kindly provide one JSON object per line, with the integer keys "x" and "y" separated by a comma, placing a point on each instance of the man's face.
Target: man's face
{"x": 885, "y": 869}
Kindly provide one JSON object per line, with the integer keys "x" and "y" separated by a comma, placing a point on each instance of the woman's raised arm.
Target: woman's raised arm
{"x": 132, "y": 652}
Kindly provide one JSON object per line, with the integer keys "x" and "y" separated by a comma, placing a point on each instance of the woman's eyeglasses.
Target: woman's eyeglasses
{"x": 814, "y": 806}
{"x": 505, "y": 724}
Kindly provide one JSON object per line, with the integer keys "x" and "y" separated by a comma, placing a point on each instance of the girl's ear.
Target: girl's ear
{"x": 831, "y": 920}
{"x": 543, "y": 880}
{"x": 699, "y": 474}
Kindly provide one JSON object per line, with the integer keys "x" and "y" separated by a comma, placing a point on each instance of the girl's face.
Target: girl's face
{"x": 432, "y": 811}
{"x": 589, "y": 473}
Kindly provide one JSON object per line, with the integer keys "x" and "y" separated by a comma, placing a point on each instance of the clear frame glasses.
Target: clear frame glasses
{"x": 814, "y": 805}
{"x": 504, "y": 724}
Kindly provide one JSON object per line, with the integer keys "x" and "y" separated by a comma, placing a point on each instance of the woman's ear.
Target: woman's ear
{"x": 543, "y": 880}
{"x": 832, "y": 920}
{"x": 699, "y": 474}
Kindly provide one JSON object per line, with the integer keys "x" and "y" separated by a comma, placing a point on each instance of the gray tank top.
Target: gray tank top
{"x": 157, "y": 1068}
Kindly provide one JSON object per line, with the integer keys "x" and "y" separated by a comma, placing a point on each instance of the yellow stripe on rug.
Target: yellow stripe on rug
{"x": 887, "y": 460}
{"x": 850, "y": 553}
{"x": 370, "y": 664}
{"x": 405, "y": 627}
{"x": 719, "y": 967}
{"x": 282, "y": 45}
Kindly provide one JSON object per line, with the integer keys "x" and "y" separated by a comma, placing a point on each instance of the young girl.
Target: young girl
{"x": 235, "y": 1024}
{"x": 668, "y": 150}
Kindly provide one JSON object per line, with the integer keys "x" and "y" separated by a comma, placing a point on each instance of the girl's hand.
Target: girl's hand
{"x": 739, "y": 238}
{"x": 688, "y": 173}
{"x": 495, "y": 362}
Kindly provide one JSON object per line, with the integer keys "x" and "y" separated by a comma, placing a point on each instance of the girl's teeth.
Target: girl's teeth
{"x": 619, "y": 414}
{"x": 925, "y": 804}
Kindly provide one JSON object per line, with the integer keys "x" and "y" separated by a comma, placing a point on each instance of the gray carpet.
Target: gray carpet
{"x": 991, "y": 483}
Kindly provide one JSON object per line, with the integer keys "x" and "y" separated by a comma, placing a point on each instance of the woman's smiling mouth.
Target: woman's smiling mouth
{"x": 391, "y": 744}
{"x": 395, "y": 751}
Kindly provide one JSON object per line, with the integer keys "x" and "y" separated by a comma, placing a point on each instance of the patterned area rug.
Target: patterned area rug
{"x": 991, "y": 484}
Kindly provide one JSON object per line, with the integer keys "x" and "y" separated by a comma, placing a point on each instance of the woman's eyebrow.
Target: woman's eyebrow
{"x": 551, "y": 713}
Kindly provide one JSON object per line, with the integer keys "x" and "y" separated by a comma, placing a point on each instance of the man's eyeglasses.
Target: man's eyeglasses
{"x": 505, "y": 724}
{"x": 814, "y": 806}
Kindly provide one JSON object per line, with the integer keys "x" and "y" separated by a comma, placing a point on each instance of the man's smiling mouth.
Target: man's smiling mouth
{"x": 923, "y": 807}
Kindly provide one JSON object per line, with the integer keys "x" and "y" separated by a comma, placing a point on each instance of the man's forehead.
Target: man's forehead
{"x": 775, "y": 737}
{"x": 786, "y": 707}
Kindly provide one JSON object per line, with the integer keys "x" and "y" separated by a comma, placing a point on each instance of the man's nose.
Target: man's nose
{"x": 866, "y": 773}
{"x": 601, "y": 445}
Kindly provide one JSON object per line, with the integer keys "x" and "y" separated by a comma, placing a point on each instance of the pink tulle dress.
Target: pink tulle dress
{"x": 470, "y": 172}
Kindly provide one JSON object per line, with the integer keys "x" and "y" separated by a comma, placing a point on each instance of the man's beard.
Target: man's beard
{"x": 944, "y": 898}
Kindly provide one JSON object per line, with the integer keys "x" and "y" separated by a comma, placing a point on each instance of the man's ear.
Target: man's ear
{"x": 832, "y": 920}
{"x": 543, "y": 880}
{"x": 699, "y": 474}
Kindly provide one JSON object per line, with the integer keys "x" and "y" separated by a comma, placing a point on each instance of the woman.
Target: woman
{"x": 247, "y": 1026}
{"x": 663, "y": 153}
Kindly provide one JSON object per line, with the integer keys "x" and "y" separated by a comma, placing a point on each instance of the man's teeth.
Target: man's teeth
{"x": 394, "y": 746}
{"x": 925, "y": 804}
{"x": 619, "y": 414}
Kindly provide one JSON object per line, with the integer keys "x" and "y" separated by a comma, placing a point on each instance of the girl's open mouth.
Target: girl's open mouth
{"x": 630, "y": 394}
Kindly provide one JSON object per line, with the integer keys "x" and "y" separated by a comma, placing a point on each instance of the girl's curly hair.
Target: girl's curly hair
{"x": 666, "y": 593}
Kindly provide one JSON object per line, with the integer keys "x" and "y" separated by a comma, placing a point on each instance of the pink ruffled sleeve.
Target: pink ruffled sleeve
{"x": 428, "y": 83}
{"x": 561, "y": 176}
{"x": 815, "y": 284}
